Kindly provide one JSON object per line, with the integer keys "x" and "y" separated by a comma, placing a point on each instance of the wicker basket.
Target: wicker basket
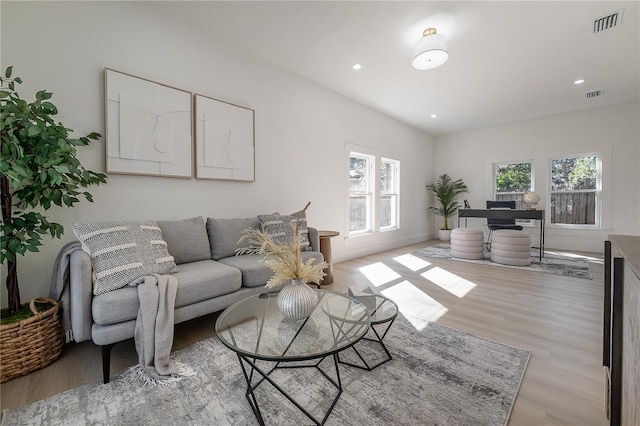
{"x": 32, "y": 343}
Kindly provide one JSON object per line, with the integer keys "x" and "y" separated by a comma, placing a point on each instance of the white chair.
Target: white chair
{"x": 510, "y": 247}
{"x": 467, "y": 243}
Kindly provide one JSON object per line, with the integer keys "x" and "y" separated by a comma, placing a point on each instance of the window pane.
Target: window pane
{"x": 513, "y": 177}
{"x": 387, "y": 211}
{"x": 574, "y": 173}
{"x": 577, "y": 208}
{"x": 358, "y": 172}
{"x": 387, "y": 185}
{"x": 519, "y": 203}
{"x": 358, "y": 213}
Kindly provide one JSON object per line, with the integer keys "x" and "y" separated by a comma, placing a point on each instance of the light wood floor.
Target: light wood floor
{"x": 559, "y": 319}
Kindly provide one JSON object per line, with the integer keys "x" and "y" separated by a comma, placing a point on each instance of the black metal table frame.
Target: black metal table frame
{"x": 253, "y": 367}
{"x": 379, "y": 339}
{"x": 251, "y": 387}
{"x": 507, "y": 214}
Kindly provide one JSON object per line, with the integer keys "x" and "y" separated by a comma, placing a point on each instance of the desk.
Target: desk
{"x": 507, "y": 214}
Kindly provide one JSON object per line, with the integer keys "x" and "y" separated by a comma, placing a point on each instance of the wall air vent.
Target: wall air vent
{"x": 594, "y": 94}
{"x": 607, "y": 22}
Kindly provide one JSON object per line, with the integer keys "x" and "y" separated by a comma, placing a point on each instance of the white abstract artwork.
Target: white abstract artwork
{"x": 149, "y": 127}
{"x": 225, "y": 143}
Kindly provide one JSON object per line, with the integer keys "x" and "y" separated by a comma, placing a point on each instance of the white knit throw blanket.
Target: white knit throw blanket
{"x": 154, "y": 331}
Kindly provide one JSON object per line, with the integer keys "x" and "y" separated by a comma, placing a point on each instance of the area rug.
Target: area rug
{"x": 438, "y": 376}
{"x": 551, "y": 263}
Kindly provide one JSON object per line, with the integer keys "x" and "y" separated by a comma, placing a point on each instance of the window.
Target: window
{"x": 575, "y": 190}
{"x": 360, "y": 193}
{"x": 512, "y": 180}
{"x": 374, "y": 188}
{"x": 389, "y": 180}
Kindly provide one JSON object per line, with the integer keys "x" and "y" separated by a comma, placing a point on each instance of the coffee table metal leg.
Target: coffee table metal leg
{"x": 264, "y": 376}
{"x": 379, "y": 340}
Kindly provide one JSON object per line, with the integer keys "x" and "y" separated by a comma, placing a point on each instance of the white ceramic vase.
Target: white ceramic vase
{"x": 296, "y": 300}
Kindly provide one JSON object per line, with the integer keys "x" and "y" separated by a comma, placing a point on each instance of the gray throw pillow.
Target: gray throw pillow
{"x": 225, "y": 233}
{"x": 187, "y": 240}
{"x": 123, "y": 252}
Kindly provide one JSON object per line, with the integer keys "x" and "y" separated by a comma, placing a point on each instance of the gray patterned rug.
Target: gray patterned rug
{"x": 551, "y": 263}
{"x": 438, "y": 376}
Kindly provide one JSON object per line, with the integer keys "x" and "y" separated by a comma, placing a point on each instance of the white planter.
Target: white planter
{"x": 444, "y": 234}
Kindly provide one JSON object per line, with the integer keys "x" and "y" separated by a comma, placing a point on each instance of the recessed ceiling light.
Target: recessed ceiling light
{"x": 433, "y": 115}
{"x": 580, "y": 81}
{"x": 357, "y": 66}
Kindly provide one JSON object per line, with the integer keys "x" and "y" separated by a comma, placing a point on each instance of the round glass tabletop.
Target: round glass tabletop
{"x": 255, "y": 327}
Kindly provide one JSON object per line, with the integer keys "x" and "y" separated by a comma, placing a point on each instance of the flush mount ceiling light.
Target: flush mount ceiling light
{"x": 430, "y": 51}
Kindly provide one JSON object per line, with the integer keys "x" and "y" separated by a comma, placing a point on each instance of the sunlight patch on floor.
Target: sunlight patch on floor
{"x": 417, "y": 307}
{"x": 453, "y": 283}
{"x": 412, "y": 262}
{"x": 379, "y": 274}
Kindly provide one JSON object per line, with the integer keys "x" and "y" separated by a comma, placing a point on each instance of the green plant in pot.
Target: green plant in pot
{"x": 38, "y": 169}
{"x": 446, "y": 190}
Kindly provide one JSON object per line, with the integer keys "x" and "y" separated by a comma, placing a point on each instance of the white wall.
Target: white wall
{"x": 612, "y": 130}
{"x": 301, "y": 128}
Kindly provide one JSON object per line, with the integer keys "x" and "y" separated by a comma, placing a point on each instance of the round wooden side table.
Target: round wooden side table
{"x": 325, "y": 249}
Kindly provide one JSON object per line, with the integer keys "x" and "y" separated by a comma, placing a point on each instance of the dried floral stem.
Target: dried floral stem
{"x": 285, "y": 260}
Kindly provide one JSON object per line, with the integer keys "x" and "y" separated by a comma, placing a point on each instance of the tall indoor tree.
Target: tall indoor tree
{"x": 446, "y": 190}
{"x": 38, "y": 168}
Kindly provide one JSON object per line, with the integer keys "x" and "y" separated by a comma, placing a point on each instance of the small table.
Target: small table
{"x": 325, "y": 249}
{"x": 255, "y": 330}
{"x": 382, "y": 311}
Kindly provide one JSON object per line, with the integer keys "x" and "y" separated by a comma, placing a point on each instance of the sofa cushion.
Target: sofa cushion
{"x": 122, "y": 252}
{"x": 281, "y": 227}
{"x": 205, "y": 279}
{"x": 187, "y": 239}
{"x": 254, "y": 272}
{"x": 197, "y": 281}
{"x": 225, "y": 233}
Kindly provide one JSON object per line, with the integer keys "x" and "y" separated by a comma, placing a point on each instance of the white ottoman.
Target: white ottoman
{"x": 511, "y": 247}
{"x": 467, "y": 243}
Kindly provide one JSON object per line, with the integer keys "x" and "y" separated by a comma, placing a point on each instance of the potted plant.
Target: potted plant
{"x": 38, "y": 168}
{"x": 445, "y": 189}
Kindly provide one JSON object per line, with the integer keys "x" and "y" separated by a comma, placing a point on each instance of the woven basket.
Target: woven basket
{"x": 32, "y": 343}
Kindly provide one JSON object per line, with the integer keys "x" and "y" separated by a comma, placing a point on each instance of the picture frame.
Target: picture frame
{"x": 149, "y": 127}
{"x": 224, "y": 140}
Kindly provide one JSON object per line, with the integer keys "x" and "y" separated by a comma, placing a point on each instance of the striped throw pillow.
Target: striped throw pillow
{"x": 280, "y": 228}
{"x": 123, "y": 252}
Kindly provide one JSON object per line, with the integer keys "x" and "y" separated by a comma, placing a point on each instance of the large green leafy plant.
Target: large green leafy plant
{"x": 38, "y": 168}
{"x": 446, "y": 190}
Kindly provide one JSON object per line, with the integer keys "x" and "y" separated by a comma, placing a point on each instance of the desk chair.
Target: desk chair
{"x": 495, "y": 224}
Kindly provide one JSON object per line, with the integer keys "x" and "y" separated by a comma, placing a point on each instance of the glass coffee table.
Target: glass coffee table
{"x": 256, "y": 331}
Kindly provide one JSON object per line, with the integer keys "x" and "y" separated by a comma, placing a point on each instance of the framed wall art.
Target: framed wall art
{"x": 225, "y": 140}
{"x": 149, "y": 127}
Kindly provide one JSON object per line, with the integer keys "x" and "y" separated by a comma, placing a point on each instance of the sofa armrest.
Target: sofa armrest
{"x": 81, "y": 295}
{"x": 314, "y": 239}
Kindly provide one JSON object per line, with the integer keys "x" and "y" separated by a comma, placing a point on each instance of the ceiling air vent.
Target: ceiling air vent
{"x": 594, "y": 94}
{"x": 607, "y": 22}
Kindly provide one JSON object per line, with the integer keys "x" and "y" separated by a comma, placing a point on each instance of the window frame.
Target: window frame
{"x": 368, "y": 194}
{"x": 597, "y": 191}
{"x": 516, "y": 196}
{"x": 394, "y": 194}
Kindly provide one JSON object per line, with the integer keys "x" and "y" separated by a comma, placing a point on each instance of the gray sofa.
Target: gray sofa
{"x": 211, "y": 277}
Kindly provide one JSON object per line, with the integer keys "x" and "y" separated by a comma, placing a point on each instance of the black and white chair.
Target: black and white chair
{"x": 495, "y": 224}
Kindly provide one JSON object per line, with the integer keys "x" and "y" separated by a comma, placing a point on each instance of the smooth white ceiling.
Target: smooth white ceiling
{"x": 508, "y": 61}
